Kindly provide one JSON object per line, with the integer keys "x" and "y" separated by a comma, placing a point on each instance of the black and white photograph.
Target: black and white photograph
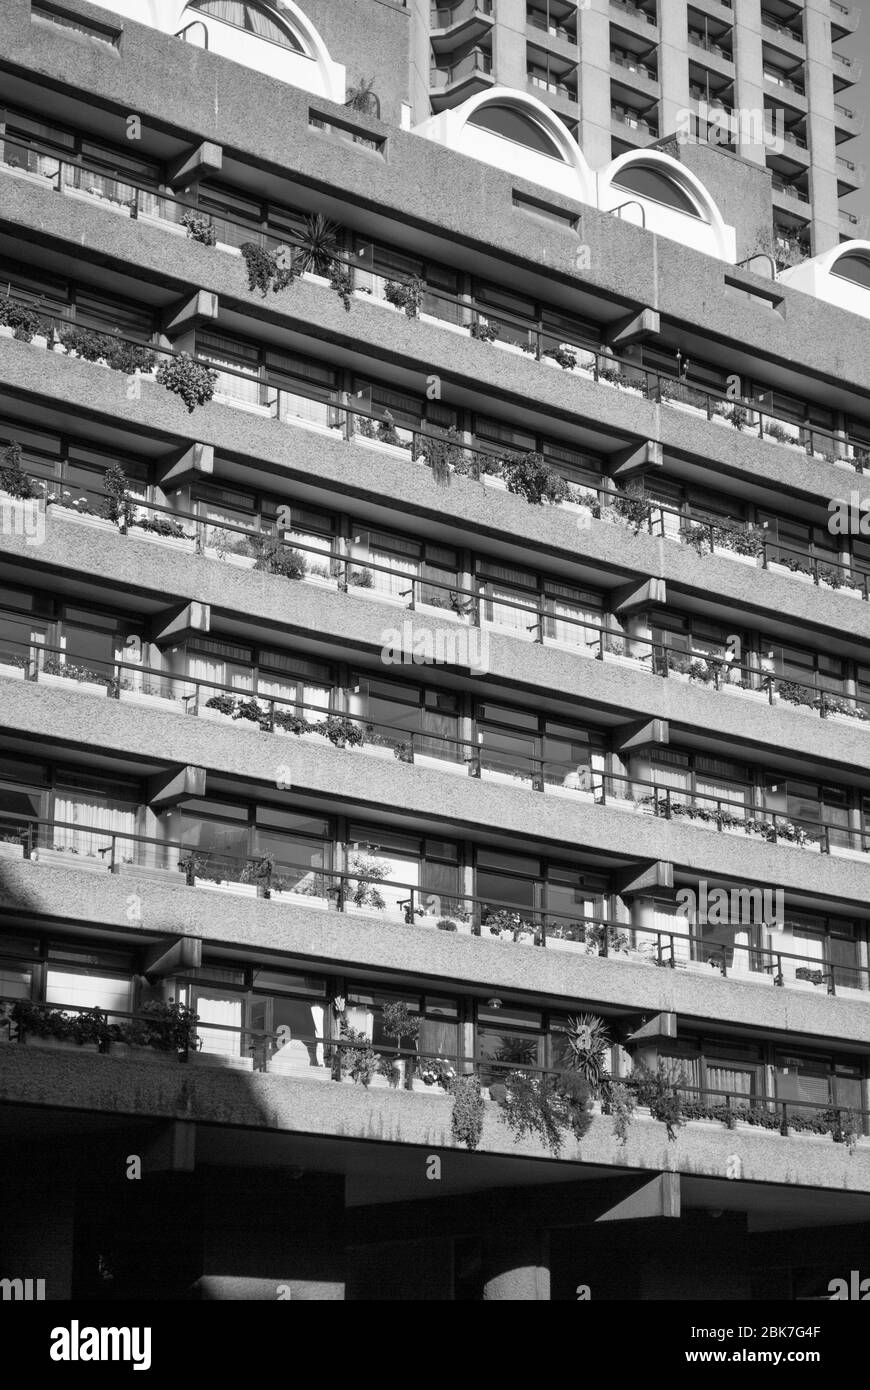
{"x": 432, "y": 866}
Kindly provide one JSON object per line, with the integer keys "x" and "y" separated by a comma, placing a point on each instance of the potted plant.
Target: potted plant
{"x": 437, "y": 1072}
{"x": 368, "y": 871}
{"x": 405, "y": 294}
{"x": 398, "y": 1023}
{"x": 24, "y": 322}
{"x": 268, "y": 270}
{"x": 40, "y": 1024}
{"x": 359, "y": 1061}
{"x": 199, "y": 228}
{"x": 170, "y": 1027}
{"x": 341, "y": 731}
{"x": 260, "y": 872}
{"x": 484, "y": 331}
{"x": 193, "y": 381}
{"x": 117, "y": 505}
{"x": 13, "y": 479}
{"x": 530, "y": 476}
{"x": 563, "y": 355}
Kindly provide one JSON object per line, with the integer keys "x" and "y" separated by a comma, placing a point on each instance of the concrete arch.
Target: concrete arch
{"x": 707, "y": 231}
{"x": 566, "y": 170}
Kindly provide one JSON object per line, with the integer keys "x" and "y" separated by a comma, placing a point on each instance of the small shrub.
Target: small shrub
{"x": 273, "y": 558}
{"x": 117, "y": 505}
{"x": 341, "y": 731}
{"x": 199, "y": 228}
{"x": 446, "y": 924}
{"x": 224, "y": 704}
{"x": 293, "y": 723}
{"x": 407, "y": 295}
{"x": 484, "y": 331}
{"x": 162, "y": 526}
{"x": 365, "y": 869}
{"x": 361, "y": 579}
{"x": 566, "y": 359}
{"x": 13, "y": 478}
{"x": 530, "y": 476}
{"x": 193, "y": 381}
{"x": 24, "y": 321}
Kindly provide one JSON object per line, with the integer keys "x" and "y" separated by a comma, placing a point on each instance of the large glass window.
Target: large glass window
{"x": 255, "y": 18}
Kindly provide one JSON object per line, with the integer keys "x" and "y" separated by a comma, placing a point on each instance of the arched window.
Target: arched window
{"x": 250, "y": 15}
{"x": 513, "y": 124}
{"x": 649, "y": 182}
{"x": 854, "y": 266}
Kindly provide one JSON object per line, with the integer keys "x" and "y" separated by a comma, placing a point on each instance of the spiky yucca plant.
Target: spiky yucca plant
{"x": 589, "y": 1042}
{"x": 318, "y": 244}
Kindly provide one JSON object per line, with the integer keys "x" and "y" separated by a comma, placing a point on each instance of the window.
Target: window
{"x": 513, "y": 124}
{"x": 255, "y": 18}
{"x": 855, "y": 267}
{"x": 649, "y": 182}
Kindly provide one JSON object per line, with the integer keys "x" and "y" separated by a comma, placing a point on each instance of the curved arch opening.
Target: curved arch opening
{"x": 648, "y": 182}
{"x": 853, "y": 266}
{"x": 254, "y": 18}
{"x": 511, "y": 123}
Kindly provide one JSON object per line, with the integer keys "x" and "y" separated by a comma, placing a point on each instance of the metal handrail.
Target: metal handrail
{"x": 536, "y": 334}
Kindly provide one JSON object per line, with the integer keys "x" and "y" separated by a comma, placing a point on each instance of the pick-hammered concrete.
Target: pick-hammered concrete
{"x": 348, "y": 941}
{"x": 257, "y": 1101}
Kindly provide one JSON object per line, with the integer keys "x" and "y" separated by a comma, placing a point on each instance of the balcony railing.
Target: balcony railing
{"x": 701, "y": 41}
{"x": 472, "y": 64}
{"x": 331, "y": 1057}
{"x": 632, "y": 64}
{"x": 634, "y": 10}
{"x": 789, "y": 189}
{"x": 286, "y": 882}
{"x": 444, "y": 17}
{"x": 771, "y": 22}
{"x": 780, "y": 80}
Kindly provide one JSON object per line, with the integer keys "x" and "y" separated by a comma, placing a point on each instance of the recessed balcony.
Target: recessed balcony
{"x": 451, "y": 85}
{"x": 459, "y": 26}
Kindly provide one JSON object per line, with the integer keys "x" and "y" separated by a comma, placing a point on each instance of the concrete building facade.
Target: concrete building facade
{"x": 434, "y": 588}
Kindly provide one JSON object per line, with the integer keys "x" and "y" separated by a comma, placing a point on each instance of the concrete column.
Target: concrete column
{"x": 821, "y": 137}
{"x": 509, "y": 45}
{"x": 516, "y": 1267}
{"x": 593, "y": 29}
{"x": 749, "y": 79}
{"x": 673, "y": 66}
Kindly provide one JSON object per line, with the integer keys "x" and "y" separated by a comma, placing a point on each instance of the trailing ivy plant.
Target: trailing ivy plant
{"x": 91, "y": 346}
{"x": 546, "y": 1106}
{"x": 187, "y": 378}
{"x": 268, "y": 270}
{"x": 658, "y": 1090}
{"x": 441, "y": 455}
{"x": 341, "y": 280}
{"x": 466, "y": 1120}
{"x": 117, "y": 505}
{"x": 405, "y": 294}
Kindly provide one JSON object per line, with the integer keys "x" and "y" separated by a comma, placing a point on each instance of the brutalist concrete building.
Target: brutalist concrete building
{"x": 434, "y": 807}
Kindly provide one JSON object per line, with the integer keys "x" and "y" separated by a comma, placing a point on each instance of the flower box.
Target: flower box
{"x": 456, "y": 769}
{"x": 11, "y": 851}
{"x": 108, "y": 204}
{"x": 138, "y": 697}
{"x": 47, "y": 1042}
{"x": 299, "y": 899}
{"x": 563, "y": 943}
{"x": 168, "y": 542}
{"x": 239, "y": 890}
{"x": 775, "y": 567}
{"x": 490, "y": 480}
{"x": 98, "y": 523}
{"x": 220, "y": 1059}
{"x": 725, "y": 553}
{"x": 215, "y": 716}
{"x": 67, "y": 683}
{"x": 396, "y": 451}
{"x": 12, "y": 673}
{"x": 66, "y": 859}
{"x": 152, "y": 1056}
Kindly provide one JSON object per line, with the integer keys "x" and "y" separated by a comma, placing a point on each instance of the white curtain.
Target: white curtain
{"x": 517, "y": 618}
{"x": 228, "y": 1013}
{"x": 666, "y": 920}
{"x": 572, "y": 633}
{"x": 244, "y": 387}
{"x": 206, "y": 668}
{"x": 90, "y": 991}
{"x": 293, "y": 407}
{"x": 397, "y": 582}
{"x": 94, "y": 821}
{"x": 318, "y": 1016}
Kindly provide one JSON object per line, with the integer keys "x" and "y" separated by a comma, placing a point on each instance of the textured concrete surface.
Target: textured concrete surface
{"x": 169, "y": 907}
{"x": 137, "y": 564}
{"x": 263, "y": 1102}
{"x": 200, "y": 96}
{"x": 352, "y": 778}
{"x": 300, "y": 453}
{"x": 162, "y": 258}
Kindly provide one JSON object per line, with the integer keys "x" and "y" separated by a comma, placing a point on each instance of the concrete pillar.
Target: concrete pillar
{"x": 593, "y": 30}
{"x": 821, "y": 136}
{"x": 509, "y": 45}
{"x": 673, "y": 67}
{"x": 516, "y": 1267}
{"x": 749, "y": 79}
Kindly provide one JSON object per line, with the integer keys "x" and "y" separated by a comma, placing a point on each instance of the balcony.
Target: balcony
{"x": 789, "y": 191}
{"x": 644, "y": 129}
{"x": 467, "y": 23}
{"x": 844, "y": 19}
{"x": 789, "y": 84}
{"x": 559, "y": 21}
{"x": 630, "y": 63}
{"x": 848, "y": 121}
{"x": 847, "y": 71}
{"x": 718, "y": 50}
{"x": 639, "y": 14}
{"x": 463, "y": 79}
{"x": 792, "y": 33}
